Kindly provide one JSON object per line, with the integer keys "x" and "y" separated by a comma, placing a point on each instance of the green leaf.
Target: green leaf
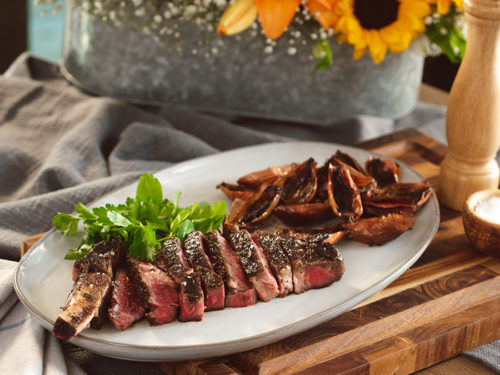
{"x": 149, "y": 188}
{"x": 444, "y": 34}
{"x": 118, "y": 219}
{"x": 144, "y": 243}
{"x": 84, "y": 211}
{"x": 143, "y": 222}
{"x": 66, "y": 223}
{"x": 184, "y": 229}
{"x": 323, "y": 53}
{"x": 219, "y": 208}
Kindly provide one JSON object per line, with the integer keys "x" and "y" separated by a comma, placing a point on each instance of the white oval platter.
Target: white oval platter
{"x": 43, "y": 278}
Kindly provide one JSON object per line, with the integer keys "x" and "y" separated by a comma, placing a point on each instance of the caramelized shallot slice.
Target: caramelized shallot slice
{"x": 301, "y": 183}
{"x": 418, "y": 192}
{"x": 365, "y": 183}
{"x": 266, "y": 176}
{"x": 349, "y": 160}
{"x": 383, "y": 170}
{"x": 332, "y": 234}
{"x": 262, "y": 205}
{"x": 381, "y": 229}
{"x": 343, "y": 194}
{"x": 377, "y": 206}
{"x": 302, "y": 214}
{"x": 233, "y": 191}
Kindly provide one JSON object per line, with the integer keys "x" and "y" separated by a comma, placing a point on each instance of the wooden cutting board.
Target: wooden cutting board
{"x": 447, "y": 303}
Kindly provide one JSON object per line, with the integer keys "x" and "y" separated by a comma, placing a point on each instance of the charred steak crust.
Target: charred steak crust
{"x": 215, "y": 254}
{"x": 90, "y": 292}
{"x": 245, "y": 248}
{"x": 273, "y": 251}
{"x": 171, "y": 255}
{"x": 191, "y": 298}
{"x": 191, "y": 284}
{"x": 211, "y": 279}
{"x": 194, "y": 250}
{"x": 103, "y": 257}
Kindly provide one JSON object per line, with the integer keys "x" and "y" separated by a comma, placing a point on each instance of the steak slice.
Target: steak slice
{"x": 239, "y": 292}
{"x": 255, "y": 265}
{"x": 103, "y": 257}
{"x": 126, "y": 307}
{"x": 194, "y": 249}
{"x": 213, "y": 289}
{"x": 241, "y": 299}
{"x": 191, "y": 298}
{"x": 315, "y": 262}
{"x": 212, "y": 283}
{"x": 156, "y": 289}
{"x": 171, "y": 259}
{"x": 278, "y": 260}
{"x": 84, "y": 306}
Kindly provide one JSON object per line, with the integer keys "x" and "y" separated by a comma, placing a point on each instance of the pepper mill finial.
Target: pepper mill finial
{"x": 473, "y": 114}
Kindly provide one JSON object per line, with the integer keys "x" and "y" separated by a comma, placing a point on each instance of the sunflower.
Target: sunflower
{"x": 378, "y": 25}
{"x": 443, "y": 6}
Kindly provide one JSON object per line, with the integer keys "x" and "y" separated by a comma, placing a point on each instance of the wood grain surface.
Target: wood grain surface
{"x": 447, "y": 303}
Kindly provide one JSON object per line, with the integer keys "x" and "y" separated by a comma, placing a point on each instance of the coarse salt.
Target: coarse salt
{"x": 489, "y": 210}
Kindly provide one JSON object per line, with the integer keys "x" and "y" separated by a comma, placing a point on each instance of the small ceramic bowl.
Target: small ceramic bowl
{"x": 484, "y": 234}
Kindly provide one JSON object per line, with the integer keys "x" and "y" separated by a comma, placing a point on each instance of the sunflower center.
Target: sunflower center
{"x": 375, "y": 14}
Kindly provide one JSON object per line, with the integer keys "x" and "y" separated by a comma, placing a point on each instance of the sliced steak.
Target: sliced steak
{"x": 212, "y": 283}
{"x": 213, "y": 288}
{"x": 226, "y": 263}
{"x": 191, "y": 298}
{"x": 126, "y": 307}
{"x": 255, "y": 265}
{"x": 194, "y": 249}
{"x": 315, "y": 262}
{"x": 241, "y": 299}
{"x": 278, "y": 260}
{"x": 171, "y": 259}
{"x": 156, "y": 289}
{"x": 103, "y": 258}
{"x": 84, "y": 306}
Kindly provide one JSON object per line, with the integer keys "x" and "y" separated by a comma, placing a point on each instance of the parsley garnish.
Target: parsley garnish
{"x": 144, "y": 222}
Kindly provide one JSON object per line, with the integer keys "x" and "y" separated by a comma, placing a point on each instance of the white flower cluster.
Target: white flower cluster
{"x": 164, "y": 20}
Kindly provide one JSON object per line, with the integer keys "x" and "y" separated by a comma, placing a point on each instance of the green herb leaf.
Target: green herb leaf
{"x": 118, "y": 219}
{"x": 323, "y": 53}
{"x": 143, "y": 222}
{"x": 66, "y": 223}
{"x": 149, "y": 188}
{"x": 184, "y": 229}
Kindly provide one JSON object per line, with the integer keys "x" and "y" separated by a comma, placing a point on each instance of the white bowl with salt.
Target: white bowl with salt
{"x": 481, "y": 218}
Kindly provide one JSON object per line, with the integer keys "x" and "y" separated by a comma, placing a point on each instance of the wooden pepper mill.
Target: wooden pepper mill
{"x": 473, "y": 115}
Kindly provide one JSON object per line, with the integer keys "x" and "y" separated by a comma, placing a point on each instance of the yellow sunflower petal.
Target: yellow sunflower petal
{"x": 358, "y": 53}
{"x": 443, "y": 6}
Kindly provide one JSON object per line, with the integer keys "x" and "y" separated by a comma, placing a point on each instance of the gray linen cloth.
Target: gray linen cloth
{"x": 59, "y": 146}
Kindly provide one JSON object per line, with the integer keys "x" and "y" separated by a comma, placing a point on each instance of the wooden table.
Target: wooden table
{"x": 446, "y": 304}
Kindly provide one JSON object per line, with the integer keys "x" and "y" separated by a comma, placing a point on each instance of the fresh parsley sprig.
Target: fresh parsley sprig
{"x": 144, "y": 222}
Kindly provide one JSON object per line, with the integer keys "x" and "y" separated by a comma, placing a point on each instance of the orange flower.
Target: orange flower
{"x": 324, "y": 12}
{"x": 276, "y": 15}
